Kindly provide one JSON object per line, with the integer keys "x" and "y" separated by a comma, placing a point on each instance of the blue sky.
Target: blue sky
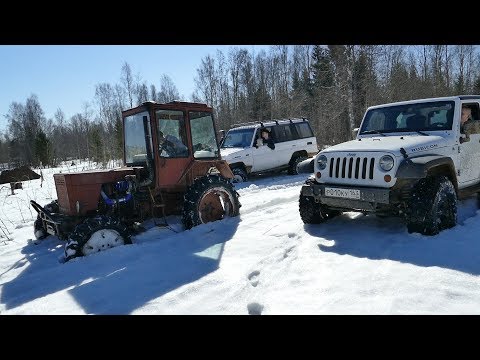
{"x": 64, "y": 76}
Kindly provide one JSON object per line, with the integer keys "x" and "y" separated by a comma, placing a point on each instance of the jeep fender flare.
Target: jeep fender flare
{"x": 429, "y": 165}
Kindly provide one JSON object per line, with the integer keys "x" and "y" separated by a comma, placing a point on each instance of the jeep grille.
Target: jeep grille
{"x": 352, "y": 167}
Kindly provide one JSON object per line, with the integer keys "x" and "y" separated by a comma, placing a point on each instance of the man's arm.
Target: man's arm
{"x": 271, "y": 144}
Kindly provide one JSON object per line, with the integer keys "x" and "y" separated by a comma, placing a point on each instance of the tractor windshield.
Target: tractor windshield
{"x": 135, "y": 145}
{"x": 203, "y": 135}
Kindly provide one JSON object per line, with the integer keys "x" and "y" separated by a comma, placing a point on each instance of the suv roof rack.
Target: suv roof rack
{"x": 268, "y": 122}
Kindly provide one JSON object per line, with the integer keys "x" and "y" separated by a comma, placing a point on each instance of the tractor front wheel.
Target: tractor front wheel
{"x": 96, "y": 234}
{"x": 209, "y": 198}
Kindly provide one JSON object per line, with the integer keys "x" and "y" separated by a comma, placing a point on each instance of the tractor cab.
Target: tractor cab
{"x": 172, "y": 139}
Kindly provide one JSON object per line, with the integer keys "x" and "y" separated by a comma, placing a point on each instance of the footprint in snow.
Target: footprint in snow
{"x": 253, "y": 278}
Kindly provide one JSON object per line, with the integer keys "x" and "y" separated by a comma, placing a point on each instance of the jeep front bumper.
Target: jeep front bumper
{"x": 348, "y": 197}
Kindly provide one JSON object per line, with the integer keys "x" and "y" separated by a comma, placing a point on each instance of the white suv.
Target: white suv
{"x": 410, "y": 159}
{"x": 294, "y": 142}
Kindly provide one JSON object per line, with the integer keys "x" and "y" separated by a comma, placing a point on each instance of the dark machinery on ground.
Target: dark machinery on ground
{"x": 172, "y": 166}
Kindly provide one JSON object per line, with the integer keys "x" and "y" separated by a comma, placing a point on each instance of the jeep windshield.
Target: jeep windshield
{"x": 419, "y": 117}
{"x": 238, "y": 138}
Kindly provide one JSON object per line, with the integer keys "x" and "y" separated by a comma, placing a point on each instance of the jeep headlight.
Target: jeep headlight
{"x": 322, "y": 162}
{"x": 386, "y": 163}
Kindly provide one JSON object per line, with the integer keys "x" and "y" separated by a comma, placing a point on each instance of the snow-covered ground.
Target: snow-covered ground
{"x": 266, "y": 261}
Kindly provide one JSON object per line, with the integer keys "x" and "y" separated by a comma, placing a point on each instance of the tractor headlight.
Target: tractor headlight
{"x": 386, "y": 163}
{"x": 322, "y": 162}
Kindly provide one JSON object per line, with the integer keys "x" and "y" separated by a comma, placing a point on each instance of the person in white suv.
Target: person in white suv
{"x": 265, "y": 139}
{"x": 288, "y": 142}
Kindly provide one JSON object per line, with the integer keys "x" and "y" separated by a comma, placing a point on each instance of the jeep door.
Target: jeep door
{"x": 469, "y": 151}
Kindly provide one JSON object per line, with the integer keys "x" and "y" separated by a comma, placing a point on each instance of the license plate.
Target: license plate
{"x": 342, "y": 193}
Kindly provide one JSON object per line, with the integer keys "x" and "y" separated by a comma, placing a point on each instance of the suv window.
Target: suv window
{"x": 282, "y": 133}
{"x": 303, "y": 130}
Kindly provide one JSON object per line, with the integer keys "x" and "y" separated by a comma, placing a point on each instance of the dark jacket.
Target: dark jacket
{"x": 269, "y": 143}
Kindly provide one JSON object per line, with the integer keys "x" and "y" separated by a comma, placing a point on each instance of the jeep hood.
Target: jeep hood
{"x": 229, "y": 152}
{"x": 391, "y": 144}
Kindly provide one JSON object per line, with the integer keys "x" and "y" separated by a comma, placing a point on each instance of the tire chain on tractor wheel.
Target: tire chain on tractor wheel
{"x": 83, "y": 231}
{"x": 193, "y": 195}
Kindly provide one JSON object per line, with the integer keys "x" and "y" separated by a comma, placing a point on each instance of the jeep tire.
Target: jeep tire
{"x": 432, "y": 206}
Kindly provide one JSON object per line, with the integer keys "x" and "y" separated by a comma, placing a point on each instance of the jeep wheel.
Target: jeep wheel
{"x": 39, "y": 231}
{"x": 96, "y": 234}
{"x": 239, "y": 175}
{"x": 209, "y": 198}
{"x": 313, "y": 213}
{"x": 432, "y": 207}
{"x": 292, "y": 166}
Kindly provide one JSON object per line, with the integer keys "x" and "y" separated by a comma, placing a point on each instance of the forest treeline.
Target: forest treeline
{"x": 330, "y": 85}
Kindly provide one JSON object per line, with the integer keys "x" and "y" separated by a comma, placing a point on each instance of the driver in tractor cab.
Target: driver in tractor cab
{"x": 172, "y": 145}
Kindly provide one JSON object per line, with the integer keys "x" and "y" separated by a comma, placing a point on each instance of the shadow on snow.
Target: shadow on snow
{"x": 124, "y": 278}
{"x": 457, "y": 248}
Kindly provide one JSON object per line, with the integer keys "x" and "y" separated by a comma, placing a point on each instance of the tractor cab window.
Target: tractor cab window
{"x": 204, "y": 140}
{"x": 135, "y": 145}
{"x": 172, "y": 140}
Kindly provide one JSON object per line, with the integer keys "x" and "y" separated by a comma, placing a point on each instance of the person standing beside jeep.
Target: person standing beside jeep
{"x": 264, "y": 139}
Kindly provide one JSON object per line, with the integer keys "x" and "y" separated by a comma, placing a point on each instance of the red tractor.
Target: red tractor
{"x": 172, "y": 165}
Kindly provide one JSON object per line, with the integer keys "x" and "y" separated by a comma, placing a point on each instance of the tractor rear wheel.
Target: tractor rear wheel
{"x": 209, "y": 198}
{"x": 96, "y": 234}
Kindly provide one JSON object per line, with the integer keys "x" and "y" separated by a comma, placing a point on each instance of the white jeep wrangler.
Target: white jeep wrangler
{"x": 293, "y": 139}
{"x": 411, "y": 159}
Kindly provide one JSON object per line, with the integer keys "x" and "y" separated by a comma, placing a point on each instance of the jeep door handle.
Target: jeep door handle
{"x": 309, "y": 143}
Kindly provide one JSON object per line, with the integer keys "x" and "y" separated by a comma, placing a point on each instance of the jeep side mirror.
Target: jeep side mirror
{"x": 464, "y": 139}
